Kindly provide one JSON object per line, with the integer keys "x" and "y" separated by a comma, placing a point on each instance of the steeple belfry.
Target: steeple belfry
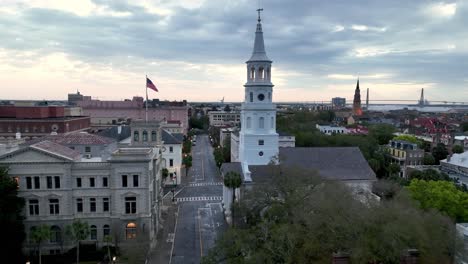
{"x": 258, "y": 140}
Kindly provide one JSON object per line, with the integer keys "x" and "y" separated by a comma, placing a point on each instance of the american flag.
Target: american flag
{"x": 149, "y": 84}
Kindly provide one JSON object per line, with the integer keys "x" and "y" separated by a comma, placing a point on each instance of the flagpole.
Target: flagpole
{"x": 146, "y": 104}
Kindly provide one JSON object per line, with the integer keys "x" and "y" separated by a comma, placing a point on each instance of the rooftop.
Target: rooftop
{"x": 76, "y": 138}
{"x": 56, "y": 149}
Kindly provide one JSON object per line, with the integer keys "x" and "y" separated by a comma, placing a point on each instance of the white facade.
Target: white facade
{"x": 118, "y": 196}
{"x": 223, "y": 118}
{"x": 172, "y": 161}
{"x": 330, "y": 130}
{"x": 258, "y": 140}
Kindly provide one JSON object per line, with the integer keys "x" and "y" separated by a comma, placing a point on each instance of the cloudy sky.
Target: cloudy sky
{"x": 196, "y": 49}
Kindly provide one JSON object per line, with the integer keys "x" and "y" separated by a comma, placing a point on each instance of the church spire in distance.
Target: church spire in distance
{"x": 259, "y": 53}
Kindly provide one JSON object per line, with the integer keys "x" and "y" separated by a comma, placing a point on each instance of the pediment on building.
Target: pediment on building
{"x": 29, "y": 155}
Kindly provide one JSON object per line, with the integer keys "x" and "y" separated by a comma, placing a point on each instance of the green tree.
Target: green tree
{"x": 77, "y": 232}
{"x": 441, "y": 195}
{"x": 428, "y": 159}
{"x": 298, "y": 218}
{"x": 187, "y": 161}
{"x": 187, "y": 146}
{"x": 233, "y": 181}
{"x": 439, "y": 153}
{"x": 382, "y": 133}
{"x": 39, "y": 235}
{"x": 11, "y": 218}
{"x": 464, "y": 126}
{"x": 458, "y": 149}
{"x": 409, "y": 138}
{"x": 218, "y": 156}
{"x": 164, "y": 173}
{"x": 227, "y": 149}
{"x": 108, "y": 240}
{"x": 393, "y": 169}
{"x": 429, "y": 175}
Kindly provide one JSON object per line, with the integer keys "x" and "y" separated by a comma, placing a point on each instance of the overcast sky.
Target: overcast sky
{"x": 196, "y": 49}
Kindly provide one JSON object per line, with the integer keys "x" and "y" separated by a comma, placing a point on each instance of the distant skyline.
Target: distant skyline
{"x": 196, "y": 49}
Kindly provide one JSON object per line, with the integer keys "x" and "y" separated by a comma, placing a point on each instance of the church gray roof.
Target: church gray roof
{"x": 331, "y": 163}
{"x": 334, "y": 163}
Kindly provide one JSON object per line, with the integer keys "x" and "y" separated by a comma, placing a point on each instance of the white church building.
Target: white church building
{"x": 258, "y": 144}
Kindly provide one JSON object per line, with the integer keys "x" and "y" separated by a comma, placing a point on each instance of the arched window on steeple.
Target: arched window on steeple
{"x": 267, "y": 74}
{"x": 261, "y": 73}
{"x": 252, "y": 73}
{"x": 249, "y": 122}
{"x": 261, "y": 122}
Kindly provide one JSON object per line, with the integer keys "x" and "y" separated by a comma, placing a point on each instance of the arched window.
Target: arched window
{"x": 105, "y": 231}
{"x": 252, "y": 73}
{"x": 251, "y": 96}
{"x": 55, "y": 234}
{"x": 272, "y": 122}
{"x": 93, "y": 232}
{"x": 153, "y": 135}
{"x": 130, "y": 231}
{"x": 136, "y": 136}
{"x": 145, "y": 135}
{"x": 267, "y": 75}
{"x": 261, "y": 73}
{"x": 249, "y": 122}
{"x": 261, "y": 122}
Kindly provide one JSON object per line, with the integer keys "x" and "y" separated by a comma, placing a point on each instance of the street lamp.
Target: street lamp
{"x": 114, "y": 259}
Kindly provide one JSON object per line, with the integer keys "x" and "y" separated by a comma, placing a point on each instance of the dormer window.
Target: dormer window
{"x": 136, "y": 136}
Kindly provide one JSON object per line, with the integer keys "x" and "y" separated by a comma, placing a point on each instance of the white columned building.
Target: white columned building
{"x": 258, "y": 140}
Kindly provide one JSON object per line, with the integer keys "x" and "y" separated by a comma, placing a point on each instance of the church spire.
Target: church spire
{"x": 259, "y": 53}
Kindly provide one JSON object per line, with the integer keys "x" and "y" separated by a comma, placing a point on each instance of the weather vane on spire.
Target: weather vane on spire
{"x": 259, "y": 10}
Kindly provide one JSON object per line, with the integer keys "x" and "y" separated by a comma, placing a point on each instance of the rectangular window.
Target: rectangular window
{"x": 171, "y": 162}
{"x": 28, "y": 182}
{"x": 33, "y": 207}
{"x": 78, "y": 182}
{"x": 130, "y": 205}
{"x": 57, "y": 182}
{"x": 104, "y": 182}
{"x": 87, "y": 149}
{"x": 37, "y": 182}
{"x": 171, "y": 149}
{"x": 261, "y": 142}
{"x": 135, "y": 180}
{"x": 79, "y": 205}
{"x": 92, "y": 204}
{"x": 105, "y": 204}
{"x": 124, "y": 181}
{"x": 49, "y": 182}
{"x": 92, "y": 182}
{"x": 54, "y": 206}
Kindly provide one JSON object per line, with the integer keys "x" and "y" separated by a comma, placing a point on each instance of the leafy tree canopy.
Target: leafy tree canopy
{"x": 441, "y": 195}
{"x": 11, "y": 219}
{"x": 298, "y": 218}
{"x": 458, "y": 149}
{"x": 409, "y": 138}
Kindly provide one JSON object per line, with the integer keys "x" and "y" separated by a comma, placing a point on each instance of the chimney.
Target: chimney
{"x": 119, "y": 129}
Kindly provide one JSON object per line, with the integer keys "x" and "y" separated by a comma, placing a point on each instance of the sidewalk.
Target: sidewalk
{"x": 162, "y": 252}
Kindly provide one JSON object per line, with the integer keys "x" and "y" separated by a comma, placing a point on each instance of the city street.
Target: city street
{"x": 199, "y": 216}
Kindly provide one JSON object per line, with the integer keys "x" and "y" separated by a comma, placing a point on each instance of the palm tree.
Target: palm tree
{"x": 108, "y": 240}
{"x": 232, "y": 180}
{"x": 78, "y": 231}
{"x": 40, "y": 234}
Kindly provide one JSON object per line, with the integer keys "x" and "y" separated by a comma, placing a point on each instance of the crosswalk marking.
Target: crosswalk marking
{"x": 199, "y": 198}
{"x": 205, "y": 184}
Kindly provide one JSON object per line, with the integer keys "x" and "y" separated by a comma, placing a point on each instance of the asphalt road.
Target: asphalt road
{"x": 200, "y": 217}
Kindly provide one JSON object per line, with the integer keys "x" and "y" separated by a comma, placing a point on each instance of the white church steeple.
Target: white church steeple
{"x": 258, "y": 140}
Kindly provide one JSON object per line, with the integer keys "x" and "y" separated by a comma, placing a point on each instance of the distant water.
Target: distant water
{"x": 420, "y": 109}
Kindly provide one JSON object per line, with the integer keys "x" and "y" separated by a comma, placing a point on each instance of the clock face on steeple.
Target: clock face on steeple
{"x": 261, "y": 97}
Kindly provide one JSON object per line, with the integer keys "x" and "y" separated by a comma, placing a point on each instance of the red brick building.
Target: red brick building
{"x": 36, "y": 121}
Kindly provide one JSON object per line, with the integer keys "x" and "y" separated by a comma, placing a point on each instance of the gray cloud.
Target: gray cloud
{"x": 299, "y": 37}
